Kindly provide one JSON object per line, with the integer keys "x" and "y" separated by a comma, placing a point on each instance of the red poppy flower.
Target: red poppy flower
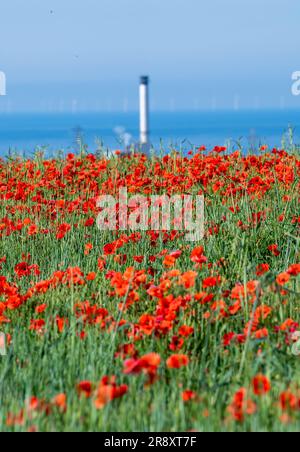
{"x": 261, "y": 385}
{"x": 188, "y": 395}
{"x": 283, "y": 278}
{"x": 60, "y": 401}
{"x": 108, "y": 391}
{"x": 85, "y": 388}
{"x": 37, "y": 325}
{"x": 109, "y": 249}
{"x": 177, "y": 361}
{"x": 63, "y": 229}
{"x": 176, "y": 344}
{"x": 197, "y": 255}
{"x": 261, "y": 269}
{"x": 211, "y": 282}
{"x": 186, "y": 331}
{"x": 169, "y": 261}
{"x": 147, "y": 363}
{"x": 274, "y": 250}
{"x": 61, "y": 322}
{"x": 40, "y": 309}
{"x": 294, "y": 270}
{"x": 91, "y": 276}
{"x": 241, "y": 406}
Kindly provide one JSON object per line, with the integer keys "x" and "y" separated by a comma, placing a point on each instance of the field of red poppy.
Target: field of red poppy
{"x": 144, "y": 331}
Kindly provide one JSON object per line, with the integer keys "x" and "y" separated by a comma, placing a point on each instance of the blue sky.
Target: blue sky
{"x": 88, "y": 54}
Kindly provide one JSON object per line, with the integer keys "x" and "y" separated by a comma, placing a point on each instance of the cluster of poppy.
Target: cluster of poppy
{"x": 172, "y": 293}
{"x": 54, "y": 189}
{"x": 106, "y": 391}
{"x": 242, "y": 405}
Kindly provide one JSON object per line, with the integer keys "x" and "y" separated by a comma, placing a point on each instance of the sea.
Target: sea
{"x": 24, "y": 134}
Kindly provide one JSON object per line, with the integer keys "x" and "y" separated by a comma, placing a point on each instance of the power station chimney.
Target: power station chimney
{"x": 144, "y": 111}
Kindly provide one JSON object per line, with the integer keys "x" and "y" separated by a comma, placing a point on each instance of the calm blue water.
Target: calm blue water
{"x": 25, "y": 132}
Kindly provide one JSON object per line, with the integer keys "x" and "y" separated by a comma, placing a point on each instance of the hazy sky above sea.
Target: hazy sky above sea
{"x": 60, "y": 55}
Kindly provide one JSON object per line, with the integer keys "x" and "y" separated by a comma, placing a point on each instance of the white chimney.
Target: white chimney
{"x": 144, "y": 110}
